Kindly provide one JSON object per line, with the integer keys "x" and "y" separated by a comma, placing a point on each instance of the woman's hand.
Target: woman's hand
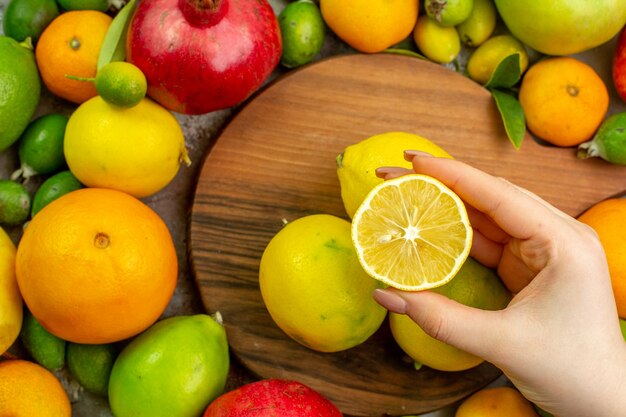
{"x": 559, "y": 339}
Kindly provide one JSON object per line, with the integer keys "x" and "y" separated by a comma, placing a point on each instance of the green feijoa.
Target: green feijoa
{"x": 52, "y": 188}
{"x": 14, "y": 203}
{"x": 449, "y": 12}
{"x": 101, "y": 5}
{"x": 41, "y": 146}
{"x": 28, "y": 18}
{"x": 609, "y": 142}
{"x": 480, "y": 24}
{"x": 44, "y": 347}
{"x": 91, "y": 365}
{"x": 303, "y": 33}
{"x": 20, "y": 87}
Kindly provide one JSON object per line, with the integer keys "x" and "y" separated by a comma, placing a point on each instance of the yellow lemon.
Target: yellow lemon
{"x": 314, "y": 288}
{"x": 356, "y": 165}
{"x": 412, "y": 233}
{"x": 474, "y": 285}
{"x": 496, "y": 402}
{"x": 10, "y": 298}
{"x": 136, "y": 150}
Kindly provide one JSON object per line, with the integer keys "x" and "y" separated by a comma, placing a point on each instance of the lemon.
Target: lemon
{"x": 136, "y": 150}
{"x": 412, "y": 233}
{"x": 10, "y": 298}
{"x": 474, "y": 285}
{"x": 486, "y": 58}
{"x": 357, "y": 164}
{"x": 496, "y": 402}
{"x": 314, "y": 288}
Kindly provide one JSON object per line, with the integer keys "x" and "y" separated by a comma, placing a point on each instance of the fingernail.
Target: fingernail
{"x": 410, "y": 154}
{"x": 390, "y": 300}
{"x": 382, "y": 171}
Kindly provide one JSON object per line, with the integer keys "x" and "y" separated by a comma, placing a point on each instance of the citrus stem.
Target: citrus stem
{"x": 27, "y": 43}
{"x": 74, "y": 77}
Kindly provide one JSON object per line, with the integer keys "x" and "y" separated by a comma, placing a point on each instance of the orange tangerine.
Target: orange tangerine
{"x": 70, "y": 45}
{"x": 96, "y": 266}
{"x": 564, "y": 100}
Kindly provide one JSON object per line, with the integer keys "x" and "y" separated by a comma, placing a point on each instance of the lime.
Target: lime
{"x": 20, "y": 86}
{"x": 336, "y": 311}
{"x": 449, "y": 12}
{"x": 609, "y": 142}
{"x": 474, "y": 285}
{"x": 480, "y": 24}
{"x": 121, "y": 84}
{"x": 101, "y": 5}
{"x": 45, "y": 348}
{"x": 91, "y": 365}
{"x": 14, "y": 203}
{"x": 41, "y": 146}
{"x": 356, "y": 165}
{"x": 28, "y": 18}
{"x": 303, "y": 32}
{"x": 438, "y": 43}
{"x": 53, "y": 188}
{"x": 175, "y": 368}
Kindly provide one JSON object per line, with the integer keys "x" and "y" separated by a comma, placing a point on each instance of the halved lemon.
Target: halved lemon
{"x": 412, "y": 233}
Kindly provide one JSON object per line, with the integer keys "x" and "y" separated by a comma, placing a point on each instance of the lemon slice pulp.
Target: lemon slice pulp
{"x": 412, "y": 233}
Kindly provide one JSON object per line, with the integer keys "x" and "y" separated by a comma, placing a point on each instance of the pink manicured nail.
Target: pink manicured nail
{"x": 410, "y": 154}
{"x": 390, "y": 300}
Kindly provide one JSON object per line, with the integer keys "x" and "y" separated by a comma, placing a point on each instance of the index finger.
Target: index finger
{"x": 513, "y": 210}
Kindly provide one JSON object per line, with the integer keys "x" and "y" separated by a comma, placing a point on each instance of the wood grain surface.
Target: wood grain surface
{"x": 275, "y": 161}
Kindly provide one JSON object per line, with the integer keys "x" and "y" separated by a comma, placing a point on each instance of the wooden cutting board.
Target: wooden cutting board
{"x": 275, "y": 161}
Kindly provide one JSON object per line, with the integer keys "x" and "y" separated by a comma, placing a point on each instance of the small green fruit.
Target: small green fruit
{"x": 609, "y": 142}
{"x": 28, "y": 18}
{"x": 175, "y": 368}
{"x": 486, "y": 58}
{"x": 438, "y": 43}
{"x": 121, "y": 84}
{"x": 449, "y": 12}
{"x": 45, "y": 348}
{"x": 91, "y": 365}
{"x": 480, "y": 24}
{"x": 14, "y": 203}
{"x": 53, "y": 188}
{"x": 303, "y": 33}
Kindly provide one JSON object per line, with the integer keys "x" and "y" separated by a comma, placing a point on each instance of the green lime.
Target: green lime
{"x": 53, "y": 188}
{"x": 101, "y": 5}
{"x": 41, "y": 146}
{"x": 14, "y": 203}
{"x": 303, "y": 33}
{"x": 45, "y": 348}
{"x": 28, "y": 18}
{"x": 449, "y": 12}
{"x": 91, "y": 365}
{"x": 121, "y": 84}
{"x": 609, "y": 142}
{"x": 20, "y": 87}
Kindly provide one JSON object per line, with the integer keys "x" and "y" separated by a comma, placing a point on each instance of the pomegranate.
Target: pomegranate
{"x": 619, "y": 65}
{"x": 203, "y": 55}
{"x": 272, "y": 398}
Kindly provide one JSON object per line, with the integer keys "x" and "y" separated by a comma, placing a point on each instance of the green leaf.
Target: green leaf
{"x": 507, "y": 73}
{"x": 114, "y": 45}
{"x": 512, "y": 115}
{"x": 404, "y": 52}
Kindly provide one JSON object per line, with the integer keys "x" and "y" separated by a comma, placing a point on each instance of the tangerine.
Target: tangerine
{"x": 96, "y": 266}
{"x": 70, "y": 45}
{"x": 607, "y": 219}
{"x": 28, "y": 389}
{"x": 564, "y": 100}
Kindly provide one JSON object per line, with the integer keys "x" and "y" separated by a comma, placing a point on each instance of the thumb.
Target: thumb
{"x": 479, "y": 332}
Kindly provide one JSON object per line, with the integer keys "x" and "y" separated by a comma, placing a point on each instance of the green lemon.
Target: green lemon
{"x": 20, "y": 86}
{"x": 121, "y": 84}
{"x": 91, "y": 365}
{"x": 449, "y": 12}
{"x": 480, "y": 24}
{"x": 336, "y": 310}
{"x": 303, "y": 32}
{"x": 45, "y": 348}
{"x": 28, "y": 18}
{"x": 438, "y": 43}
{"x": 53, "y": 188}
{"x": 14, "y": 203}
{"x": 474, "y": 285}
{"x": 609, "y": 142}
{"x": 356, "y": 165}
{"x": 485, "y": 59}
{"x": 101, "y": 5}
{"x": 41, "y": 146}
{"x": 175, "y": 368}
